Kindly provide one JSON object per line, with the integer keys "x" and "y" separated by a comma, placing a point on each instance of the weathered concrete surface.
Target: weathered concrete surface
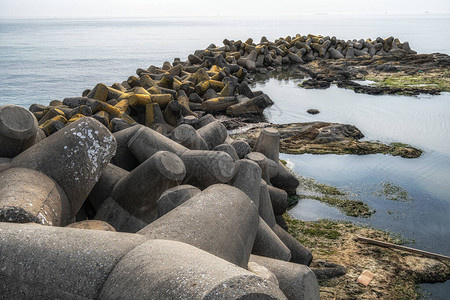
{"x": 58, "y": 263}
{"x": 299, "y": 253}
{"x": 18, "y": 130}
{"x": 248, "y": 179}
{"x": 74, "y": 157}
{"x": 284, "y": 179}
{"x": 92, "y": 225}
{"x": 139, "y": 191}
{"x": 279, "y": 200}
{"x": 225, "y": 228}
{"x": 119, "y": 218}
{"x": 110, "y": 176}
{"x": 123, "y": 157}
{"x": 27, "y": 195}
{"x": 205, "y": 168}
{"x": 296, "y": 281}
{"x": 147, "y": 142}
{"x": 268, "y": 244}
{"x": 174, "y": 197}
{"x": 268, "y": 143}
{"x": 213, "y": 134}
{"x": 180, "y": 271}
{"x": 187, "y": 136}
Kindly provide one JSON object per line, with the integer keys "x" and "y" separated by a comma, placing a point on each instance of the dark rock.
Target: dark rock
{"x": 316, "y": 84}
{"x": 313, "y": 111}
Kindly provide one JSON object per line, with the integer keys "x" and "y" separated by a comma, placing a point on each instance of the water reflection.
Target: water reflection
{"x": 313, "y": 210}
{"x": 420, "y": 121}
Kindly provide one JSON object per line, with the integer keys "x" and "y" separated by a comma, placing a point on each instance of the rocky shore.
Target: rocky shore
{"x": 408, "y": 75}
{"x": 327, "y": 138}
{"x": 144, "y": 194}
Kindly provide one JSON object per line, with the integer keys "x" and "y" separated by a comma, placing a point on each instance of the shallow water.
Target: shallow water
{"x": 42, "y": 60}
{"x": 420, "y": 121}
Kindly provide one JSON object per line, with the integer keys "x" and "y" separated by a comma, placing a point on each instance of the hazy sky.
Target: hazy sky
{"x": 152, "y": 8}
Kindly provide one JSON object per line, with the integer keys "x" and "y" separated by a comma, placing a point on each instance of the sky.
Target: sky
{"x": 163, "y": 8}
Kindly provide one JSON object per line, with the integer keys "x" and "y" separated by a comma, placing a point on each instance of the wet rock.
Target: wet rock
{"x": 313, "y": 111}
{"x": 327, "y": 138}
{"x": 316, "y": 84}
{"x": 427, "y": 269}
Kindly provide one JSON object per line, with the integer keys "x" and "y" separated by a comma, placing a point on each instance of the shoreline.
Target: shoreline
{"x": 397, "y": 273}
{"x": 160, "y": 98}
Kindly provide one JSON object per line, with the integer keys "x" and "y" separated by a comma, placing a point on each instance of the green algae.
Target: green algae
{"x": 392, "y": 192}
{"x": 419, "y": 80}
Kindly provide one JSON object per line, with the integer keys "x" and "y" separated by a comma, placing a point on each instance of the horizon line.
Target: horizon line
{"x": 222, "y": 16}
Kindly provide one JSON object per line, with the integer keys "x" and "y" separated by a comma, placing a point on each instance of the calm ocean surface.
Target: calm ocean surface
{"x": 43, "y": 60}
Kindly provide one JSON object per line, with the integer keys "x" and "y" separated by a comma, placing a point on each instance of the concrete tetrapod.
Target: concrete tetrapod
{"x": 268, "y": 143}
{"x": 147, "y": 142}
{"x": 18, "y": 130}
{"x": 248, "y": 179}
{"x": 299, "y": 253}
{"x": 139, "y": 191}
{"x": 29, "y": 196}
{"x": 262, "y": 272}
{"x": 110, "y": 176}
{"x": 285, "y": 180}
{"x": 221, "y": 220}
{"x": 272, "y": 166}
{"x": 265, "y": 205}
{"x": 92, "y": 225}
{"x": 205, "y": 168}
{"x": 213, "y": 133}
{"x": 174, "y": 197}
{"x": 279, "y": 200}
{"x": 228, "y": 149}
{"x": 123, "y": 157}
{"x": 115, "y": 215}
{"x": 268, "y": 244}
{"x": 262, "y": 162}
{"x": 174, "y": 270}
{"x": 242, "y": 148}
{"x": 203, "y": 121}
{"x": 296, "y": 281}
{"x": 47, "y": 262}
{"x": 187, "y": 136}
{"x": 74, "y": 157}
{"x": 98, "y": 264}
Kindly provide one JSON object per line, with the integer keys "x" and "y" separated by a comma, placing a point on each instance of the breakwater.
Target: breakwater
{"x": 165, "y": 182}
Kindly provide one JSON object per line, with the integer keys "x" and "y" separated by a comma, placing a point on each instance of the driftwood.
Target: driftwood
{"x": 404, "y": 248}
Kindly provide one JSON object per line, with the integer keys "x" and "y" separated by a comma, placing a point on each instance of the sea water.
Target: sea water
{"x": 43, "y": 60}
